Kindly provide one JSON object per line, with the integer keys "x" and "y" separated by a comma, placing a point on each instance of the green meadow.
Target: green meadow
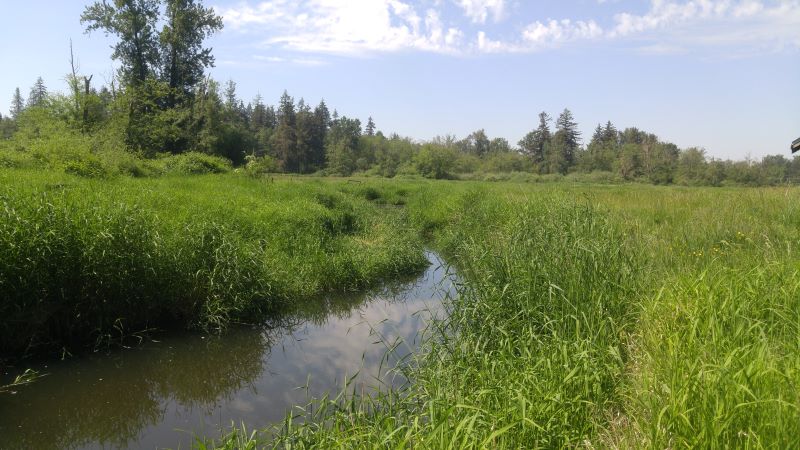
{"x": 622, "y": 316}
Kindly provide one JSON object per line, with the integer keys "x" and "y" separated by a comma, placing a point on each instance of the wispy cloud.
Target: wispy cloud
{"x": 478, "y": 11}
{"x": 358, "y": 27}
{"x": 349, "y": 27}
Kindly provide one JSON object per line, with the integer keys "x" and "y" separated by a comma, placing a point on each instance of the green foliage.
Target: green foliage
{"x": 193, "y": 163}
{"x": 667, "y": 317}
{"x": 86, "y": 262}
{"x": 257, "y": 166}
{"x": 434, "y": 161}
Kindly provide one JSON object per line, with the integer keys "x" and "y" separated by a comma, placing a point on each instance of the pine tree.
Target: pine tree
{"x": 370, "y": 130}
{"x": 38, "y": 95}
{"x": 17, "y": 104}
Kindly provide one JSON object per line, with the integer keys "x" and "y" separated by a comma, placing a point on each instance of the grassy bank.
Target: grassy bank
{"x": 594, "y": 316}
{"x": 600, "y": 316}
{"x": 93, "y": 261}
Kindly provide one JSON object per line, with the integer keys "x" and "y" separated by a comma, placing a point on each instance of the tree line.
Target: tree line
{"x": 161, "y": 101}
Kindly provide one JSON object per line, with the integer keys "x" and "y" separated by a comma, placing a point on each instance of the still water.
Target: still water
{"x": 159, "y": 394}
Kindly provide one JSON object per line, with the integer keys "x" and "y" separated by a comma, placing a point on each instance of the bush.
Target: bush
{"x": 88, "y": 167}
{"x": 193, "y": 163}
{"x": 261, "y": 165}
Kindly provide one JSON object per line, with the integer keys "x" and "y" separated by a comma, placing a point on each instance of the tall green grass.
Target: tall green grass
{"x": 92, "y": 261}
{"x": 597, "y": 316}
{"x": 621, "y": 317}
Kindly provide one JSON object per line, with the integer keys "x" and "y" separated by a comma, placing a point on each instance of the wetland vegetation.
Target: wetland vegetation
{"x": 623, "y": 294}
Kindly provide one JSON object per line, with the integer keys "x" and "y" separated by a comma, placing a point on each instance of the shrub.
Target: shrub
{"x": 193, "y": 163}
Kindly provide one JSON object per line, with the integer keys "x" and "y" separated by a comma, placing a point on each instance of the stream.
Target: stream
{"x": 166, "y": 391}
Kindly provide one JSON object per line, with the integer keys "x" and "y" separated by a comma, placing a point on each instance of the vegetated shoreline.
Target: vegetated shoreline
{"x": 89, "y": 262}
{"x": 610, "y": 315}
{"x": 628, "y": 318}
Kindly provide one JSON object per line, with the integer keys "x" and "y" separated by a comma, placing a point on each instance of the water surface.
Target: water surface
{"x": 161, "y": 393}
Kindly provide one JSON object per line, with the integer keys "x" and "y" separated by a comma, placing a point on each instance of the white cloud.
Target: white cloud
{"x": 345, "y": 27}
{"x": 357, "y": 27}
{"x": 479, "y": 11}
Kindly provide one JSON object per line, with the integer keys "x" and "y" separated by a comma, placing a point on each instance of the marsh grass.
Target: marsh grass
{"x": 603, "y": 316}
{"x": 589, "y": 316}
{"x": 91, "y": 261}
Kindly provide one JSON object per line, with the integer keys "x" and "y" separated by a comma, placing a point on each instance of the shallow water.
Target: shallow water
{"x": 162, "y": 393}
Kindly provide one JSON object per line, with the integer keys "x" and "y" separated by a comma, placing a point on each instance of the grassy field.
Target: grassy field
{"x": 592, "y": 316}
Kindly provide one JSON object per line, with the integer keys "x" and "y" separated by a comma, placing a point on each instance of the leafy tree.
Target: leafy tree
{"x": 7, "y": 127}
{"x": 133, "y": 22}
{"x": 207, "y": 118}
{"x": 691, "y": 168}
{"x": 499, "y": 145}
{"x": 477, "y": 143}
{"x": 181, "y": 40}
{"x": 435, "y": 161}
{"x": 342, "y": 145}
{"x": 17, "y": 104}
{"x": 557, "y": 152}
{"x": 629, "y": 164}
{"x": 774, "y": 169}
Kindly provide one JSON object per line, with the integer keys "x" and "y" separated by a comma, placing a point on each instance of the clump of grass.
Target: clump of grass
{"x": 718, "y": 362}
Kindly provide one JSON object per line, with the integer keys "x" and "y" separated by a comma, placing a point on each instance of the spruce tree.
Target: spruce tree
{"x": 284, "y": 140}
{"x": 566, "y": 124}
{"x": 17, "y": 104}
{"x": 534, "y": 144}
{"x": 370, "y": 130}
{"x": 38, "y": 95}
{"x": 322, "y": 120}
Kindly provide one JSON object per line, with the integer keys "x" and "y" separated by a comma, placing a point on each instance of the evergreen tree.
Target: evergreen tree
{"x": 610, "y": 135}
{"x": 17, "y": 104}
{"x": 370, "y": 129}
{"x": 284, "y": 140}
{"x": 304, "y": 133}
{"x": 231, "y": 102}
{"x": 322, "y": 120}
{"x": 571, "y": 136}
{"x": 38, "y": 94}
{"x": 535, "y": 142}
{"x": 258, "y": 116}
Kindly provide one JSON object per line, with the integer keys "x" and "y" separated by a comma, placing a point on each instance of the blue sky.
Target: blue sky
{"x": 719, "y": 74}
